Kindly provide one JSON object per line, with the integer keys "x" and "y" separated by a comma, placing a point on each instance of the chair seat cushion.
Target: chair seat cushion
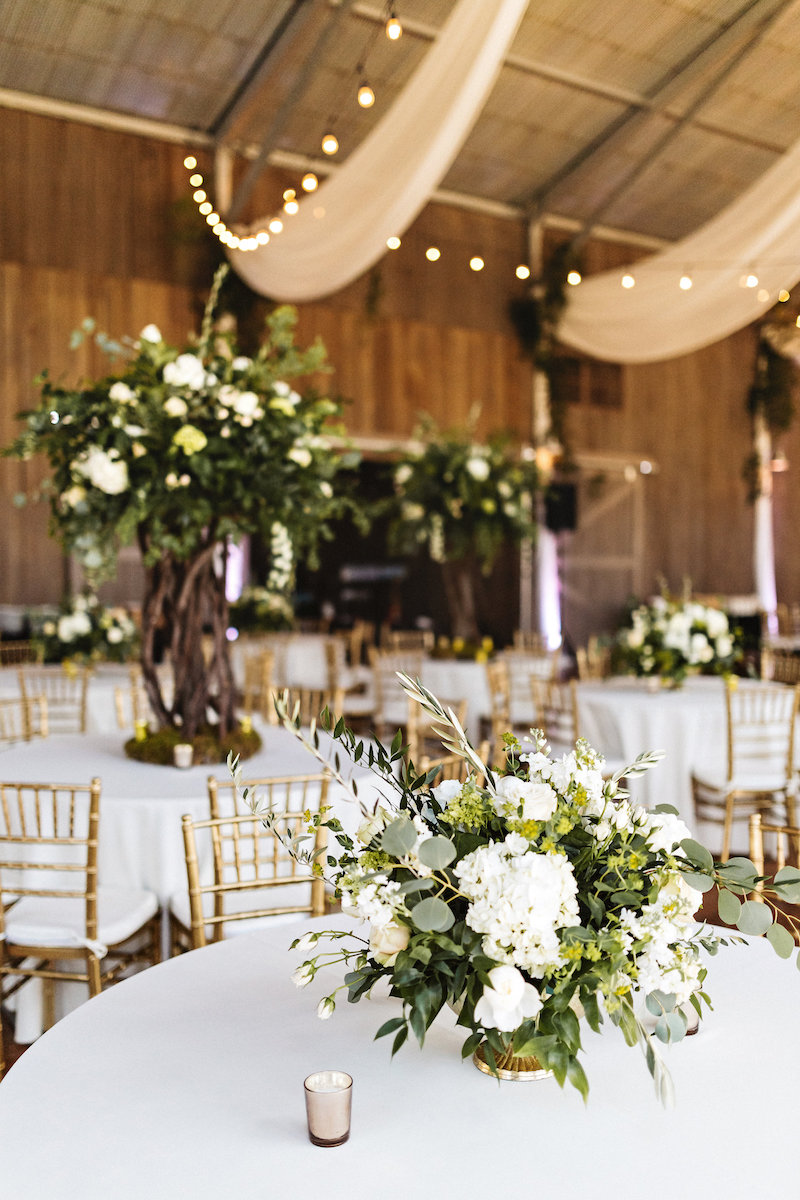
{"x": 769, "y": 781}
{"x": 237, "y": 902}
{"x": 53, "y": 921}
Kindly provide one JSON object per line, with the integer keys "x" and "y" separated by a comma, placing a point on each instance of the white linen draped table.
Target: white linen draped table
{"x": 187, "y": 1080}
{"x": 622, "y": 717}
{"x": 141, "y": 805}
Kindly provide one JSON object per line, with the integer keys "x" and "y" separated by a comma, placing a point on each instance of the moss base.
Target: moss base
{"x": 159, "y": 747}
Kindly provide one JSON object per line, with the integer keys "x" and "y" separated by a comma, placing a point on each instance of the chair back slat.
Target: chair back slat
{"x": 64, "y": 688}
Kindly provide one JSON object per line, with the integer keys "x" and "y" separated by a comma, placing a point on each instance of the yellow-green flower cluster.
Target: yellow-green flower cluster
{"x": 190, "y": 439}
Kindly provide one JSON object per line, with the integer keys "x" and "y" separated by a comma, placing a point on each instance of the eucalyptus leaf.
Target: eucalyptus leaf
{"x": 399, "y": 838}
{"x": 658, "y": 1002}
{"x": 698, "y": 853}
{"x": 728, "y": 906}
{"x": 432, "y": 915}
{"x": 700, "y": 883}
{"x": 754, "y": 918}
{"x": 781, "y": 941}
{"x": 436, "y": 852}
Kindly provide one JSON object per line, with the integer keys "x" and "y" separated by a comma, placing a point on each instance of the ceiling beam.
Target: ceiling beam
{"x": 284, "y": 112}
{"x": 703, "y": 96}
{"x": 291, "y": 22}
{"x": 655, "y": 102}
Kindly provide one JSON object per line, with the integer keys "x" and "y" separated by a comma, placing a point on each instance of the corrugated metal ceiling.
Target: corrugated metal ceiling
{"x": 230, "y": 68}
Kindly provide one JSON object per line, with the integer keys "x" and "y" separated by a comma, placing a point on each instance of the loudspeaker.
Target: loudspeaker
{"x": 561, "y": 507}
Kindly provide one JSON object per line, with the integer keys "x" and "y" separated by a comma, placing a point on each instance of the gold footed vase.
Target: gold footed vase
{"x": 511, "y": 1066}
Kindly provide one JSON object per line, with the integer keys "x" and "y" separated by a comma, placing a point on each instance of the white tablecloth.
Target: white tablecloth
{"x": 188, "y": 1081}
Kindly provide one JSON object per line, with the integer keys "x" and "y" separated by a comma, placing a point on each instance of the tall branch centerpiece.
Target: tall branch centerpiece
{"x": 183, "y": 451}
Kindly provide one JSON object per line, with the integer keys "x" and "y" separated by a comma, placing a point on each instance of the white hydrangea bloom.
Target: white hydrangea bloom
{"x": 104, "y": 470}
{"x": 187, "y": 370}
{"x": 519, "y": 900}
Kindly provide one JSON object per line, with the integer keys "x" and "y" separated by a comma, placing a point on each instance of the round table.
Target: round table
{"x": 187, "y": 1080}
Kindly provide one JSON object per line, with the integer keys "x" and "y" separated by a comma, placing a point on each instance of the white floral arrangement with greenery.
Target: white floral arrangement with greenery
{"x": 86, "y": 631}
{"x": 535, "y": 900}
{"x": 261, "y": 610}
{"x": 455, "y": 496}
{"x": 670, "y": 638}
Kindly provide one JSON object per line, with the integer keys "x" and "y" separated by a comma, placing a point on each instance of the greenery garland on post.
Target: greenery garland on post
{"x": 184, "y": 451}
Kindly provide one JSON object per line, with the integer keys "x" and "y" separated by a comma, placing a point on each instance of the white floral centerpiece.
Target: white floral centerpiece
{"x": 670, "y": 638}
{"x": 535, "y": 900}
{"x": 86, "y": 631}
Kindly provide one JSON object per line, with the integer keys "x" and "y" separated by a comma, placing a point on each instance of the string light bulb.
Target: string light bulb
{"x": 309, "y": 182}
{"x": 574, "y": 278}
{"x": 275, "y": 225}
{"x": 190, "y": 162}
{"x": 394, "y": 30}
{"x": 330, "y": 143}
{"x": 476, "y": 263}
{"x": 685, "y": 282}
{"x": 628, "y": 281}
{"x": 433, "y": 253}
{"x": 783, "y": 296}
{"x": 523, "y": 272}
{"x": 291, "y": 207}
{"x": 366, "y": 96}
{"x": 393, "y": 243}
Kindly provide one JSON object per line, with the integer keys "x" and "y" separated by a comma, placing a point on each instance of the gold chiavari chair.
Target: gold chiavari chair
{"x": 357, "y": 697}
{"x": 511, "y": 710}
{"x": 594, "y": 660}
{"x": 308, "y": 703}
{"x": 238, "y": 868}
{"x": 556, "y": 709}
{"x": 391, "y": 703}
{"x": 784, "y": 852}
{"x": 257, "y": 692}
{"x": 530, "y": 641}
{"x": 15, "y": 653}
{"x": 780, "y": 666}
{"x": 400, "y": 640}
{"x": 21, "y": 720}
{"x": 65, "y": 687}
{"x": 53, "y": 912}
{"x": 759, "y": 771}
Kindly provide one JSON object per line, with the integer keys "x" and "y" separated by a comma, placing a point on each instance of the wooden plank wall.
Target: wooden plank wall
{"x": 100, "y": 223}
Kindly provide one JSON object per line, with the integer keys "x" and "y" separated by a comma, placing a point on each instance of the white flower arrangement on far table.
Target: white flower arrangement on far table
{"x": 671, "y": 638}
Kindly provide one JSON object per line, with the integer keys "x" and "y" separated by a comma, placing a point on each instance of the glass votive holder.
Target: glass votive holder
{"x": 246, "y": 723}
{"x": 328, "y": 1097}
{"x": 182, "y": 754}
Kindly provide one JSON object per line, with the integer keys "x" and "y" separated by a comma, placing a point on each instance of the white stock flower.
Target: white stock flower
{"x": 103, "y": 470}
{"x": 121, "y": 393}
{"x": 73, "y": 496}
{"x": 151, "y": 333}
{"x": 115, "y": 635}
{"x": 241, "y": 362}
{"x": 663, "y": 830}
{"x": 386, "y": 942}
{"x": 246, "y": 404}
{"x": 186, "y": 371}
{"x": 326, "y": 1008}
{"x": 507, "y": 1000}
{"x": 447, "y": 790}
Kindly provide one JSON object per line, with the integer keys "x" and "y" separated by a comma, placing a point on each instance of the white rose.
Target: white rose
{"x": 121, "y": 393}
{"x": 447, "y": 790}
{"x": 115, "y": 635}
{"x": 245, "y": 404}
{"x": 507, "y": 1001}
{"x": 387, "y": 941}
{"x": 664, "y": 830}
{"x": 478, "y": 468}
{"x": 326, "y": 489}
{"x": 403, "y": 474}
{"x": 103, "y": 470}
{"x": 724, "y": 646}
{"x": 241, "y": 362}
{"x": 151, "y": 333}
{"x": 175, "y": 407}
{"x": 325, "y": 1008}
{"x": 186, "y": 371}
{"x": 300, "y": 455}
{"x": 280, "y": 388}
{"x": 532, "y": 801}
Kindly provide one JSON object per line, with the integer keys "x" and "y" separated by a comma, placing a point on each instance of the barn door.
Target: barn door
{"x": 601, "y": 561}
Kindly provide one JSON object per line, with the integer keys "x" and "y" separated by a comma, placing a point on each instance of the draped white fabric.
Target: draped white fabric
{"x": 759, "y": 233}
{"x": 341, "y": 229}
